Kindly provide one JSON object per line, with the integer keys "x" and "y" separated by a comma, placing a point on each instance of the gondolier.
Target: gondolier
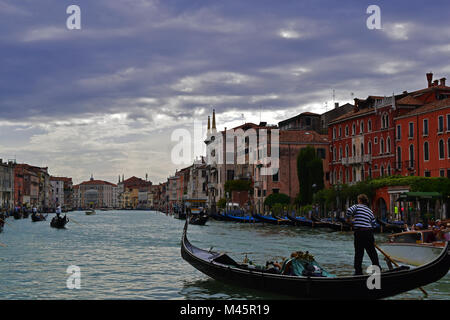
{"x": 363, "y": 223}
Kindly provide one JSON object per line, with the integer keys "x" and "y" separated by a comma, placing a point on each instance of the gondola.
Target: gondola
{"x": 300, "y": 221}
{"x": 37, "y": 218}
{"x": 59, "y": 223}
{"x": 271, "y": 220}
{"x": 390, "y": 227}
{"x": 336, "y": 226}
{"x": 218, "y": 216}
{"x": 17, "y": 215}
{"x": 25, "y": 215}
{"x": 198, "y": 219}
{"x": 244, "y": 219}
{"x": 222, "y": 267}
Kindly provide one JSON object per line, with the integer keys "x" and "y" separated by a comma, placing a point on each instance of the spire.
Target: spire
{"x": 214, "y": 122}
{"x": 92, "y": 177}
{"x": 208, "y": 132}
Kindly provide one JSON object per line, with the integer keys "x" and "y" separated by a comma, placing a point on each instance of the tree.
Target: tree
{"x": 310, "y": 174}
{"x": 277, "y": 198}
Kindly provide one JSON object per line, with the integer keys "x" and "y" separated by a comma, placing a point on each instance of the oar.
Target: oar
{"x": 71, "y": 219}
{"x": 6, "y": 222}
{"x": 396, "y": 264}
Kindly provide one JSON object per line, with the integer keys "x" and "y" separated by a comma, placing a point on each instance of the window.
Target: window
{"x": 426, "y": 154}
{"x": 346, "y": 131}
{"x": 399, "y": 157}
{"x": 334, "y": 133}
{"x": 353, "y": 150}
{"x": 346, "y": 151}
{"x": 448, "y": 122}
{"x": 275, "y": 177}
{"x": 321, "y": 153}
{"x": 362, "y": 148}
{"x": 369, "y": 147}
{"x": 388, "y": 145}
{"x": 381, "y": 146}
{"x": 427, "y": 174}
{"x": 340, "y": 152}
{"x": 425, "y": 127}
{"x": 375, "y": 140}
{"x": 441, "y": 149}
{"x": 411, "y": 156}
{"x": 382, "y": 171}
{"x": 389, "y": 170}
{"x": 442, "y": 173}
{"x": 369, "y": 125}
{"x": 370, "y": 172}
{"x": 361, "y": 127}
{"x": 399, "y": 132}
{"x": 441, "y": 124}
{"x": 340, "y": 131}
{"x": 275, "y": 190}
{"x": 411, "y": 130}
{"x": 353, "y": 129}
{"x": 448, "y": 148}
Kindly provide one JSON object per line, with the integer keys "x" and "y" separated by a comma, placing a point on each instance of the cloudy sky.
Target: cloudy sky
{"x": 105, "y": 99}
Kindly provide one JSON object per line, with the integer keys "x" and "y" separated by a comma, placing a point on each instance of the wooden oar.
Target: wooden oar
{"x": 396, "y": 264}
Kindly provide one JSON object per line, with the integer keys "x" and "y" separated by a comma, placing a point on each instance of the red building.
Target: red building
{"x": 385, "y": 136}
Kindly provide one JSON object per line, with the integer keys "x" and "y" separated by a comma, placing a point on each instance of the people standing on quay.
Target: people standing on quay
{"x": 363, "y": 223}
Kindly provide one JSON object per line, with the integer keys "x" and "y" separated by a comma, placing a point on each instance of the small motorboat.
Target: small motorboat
{"x": 59, "y": 223}
{"x": 413, "y": 247}
{"x": 90, "y": 212}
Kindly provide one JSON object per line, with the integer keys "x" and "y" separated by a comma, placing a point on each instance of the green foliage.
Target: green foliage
{"x": 277, "y": 198}
{"x": 238, "y": 185}
{"x": 309, "y": 172}
{"x": 277, "y": 208}
{"x": 222, "y": 203}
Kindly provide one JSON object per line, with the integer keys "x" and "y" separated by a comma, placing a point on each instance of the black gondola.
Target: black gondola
{"x": 390, "y": 227}
{"x": 59, "y": 223}
{"x": 300, "y": 221}
{"x": 38, "y": 217}
{"x": 198, "y": 219}
{"x": 223, "y": 268}
{"x": 25, "y": 214}
{"x": 218, "y": 216}
{"x": 271, "y": 220}
{"x": 17, "y": 215}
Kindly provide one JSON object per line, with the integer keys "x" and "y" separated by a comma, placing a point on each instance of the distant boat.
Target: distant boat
{"x": 59, "y": 223}
{"x": 90, "y": 212}
{"x": 38, "y": 217}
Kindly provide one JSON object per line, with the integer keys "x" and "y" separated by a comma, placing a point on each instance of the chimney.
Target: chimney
{"x": 429, "y": 78}
{"x": 435, "y": 83}
{"x": 336, "y": 105}
{"x": 356, "y": 107}
{"x": 443, "y": 81}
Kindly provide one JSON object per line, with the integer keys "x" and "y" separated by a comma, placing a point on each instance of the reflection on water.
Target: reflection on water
{"x": 136, "y": 255}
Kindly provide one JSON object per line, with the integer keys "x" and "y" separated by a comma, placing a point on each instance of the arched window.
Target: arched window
{"x": 382, "y": 171}
{"x": 369, "y": 125}
{"x": 362, "y": 148}
{"x": 340, "y": 152}
{"x": 388, "y": 145}
{"x": 399, "y": 157}
{"x": 353, "y": 151}
{"x": 381, "y": 146}
{"x": 361, "y": 127}
{"x": 448, "y": 147}
{"x": 369, "y": 147}
{"x": 346, "y": 151}
{"x": 426, "y": 152}
{"x": 353, "y": 129}
{"x": 441, "y": 149}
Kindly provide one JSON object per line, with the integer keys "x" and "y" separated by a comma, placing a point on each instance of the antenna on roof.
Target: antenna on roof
{"x": 334, "y": 96}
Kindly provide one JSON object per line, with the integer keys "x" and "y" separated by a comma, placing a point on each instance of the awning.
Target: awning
{"x": 413, "y": 196}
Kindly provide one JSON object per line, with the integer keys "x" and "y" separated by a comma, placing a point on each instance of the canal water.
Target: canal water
{"x": 136, "y": 255}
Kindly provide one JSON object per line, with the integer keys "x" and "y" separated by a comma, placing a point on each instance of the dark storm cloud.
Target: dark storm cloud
{"x": 158, "y": 62}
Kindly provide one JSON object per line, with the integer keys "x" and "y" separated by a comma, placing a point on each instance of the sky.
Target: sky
{"x": 106, "y": 99}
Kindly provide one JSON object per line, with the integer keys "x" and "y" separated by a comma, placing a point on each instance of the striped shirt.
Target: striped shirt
{"x": 363, "y": 216}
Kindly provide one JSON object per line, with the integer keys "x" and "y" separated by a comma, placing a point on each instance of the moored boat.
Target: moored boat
{"x": 222, "y": 267}
{"x": 272, "y": 220}
{"x": 413, "y": 247}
